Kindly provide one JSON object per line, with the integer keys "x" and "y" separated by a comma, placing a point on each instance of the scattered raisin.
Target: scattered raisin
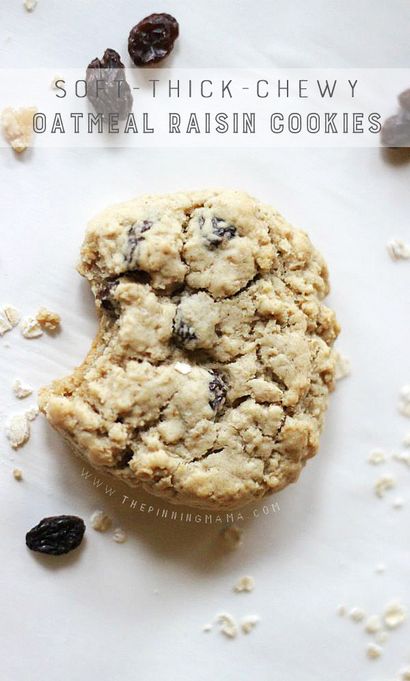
{"x": 107, "y": 87}
{"x": 216, "y": 230}
{"x": 396, "y": 131}
{"x": 218, "y": 388}
{"x": 181, "y": 330}
{"x": 134, "y": 237}
{"x": 125, "y": 457}
{"x": 56, "y": 535}
{"x": 404, "y": 99}
{"x": 105, "y": 298}
{"x": 152, "y": 39}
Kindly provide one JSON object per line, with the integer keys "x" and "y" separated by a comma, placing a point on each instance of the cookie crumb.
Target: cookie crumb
{"x": 30, "y": 328}
{"x": 341, "y": 610}
{"x": 21, "y": 391}
{"x": 50, "y": 321}
{"x": 383, "y": 484}
{"x": 18, "y": 430}
{"x": 376, "y": 457}
{"x": 404, "y": 400}
{"x": 228, "y": 626}
{"x": 342, "y": 365}
{"x": 30, "y": 5}
{"x": 373, "y": 651}
{"x": 357, "y": 614}
{"x": 398, "y": 250}
{"x": 403, "y": 457}
{"x": 373, "y": 624}
{"x": 17, "y": 125}
{"x": 119, "y": 535}
{"x": 248, "y": 623}
{"x": 32, "y": 413}
{"x": 182, "y": 368}
{"x": 4, "y": 326}
{"x": 12, "y": 315}
{"x": 17, "y": 474}
{"x": 244, "y": 584}
{"x": 100, "y": 521}
{"x": 394, "y": 615}
{"x": 232, "y": 535}
{"x": 381, "y": 637}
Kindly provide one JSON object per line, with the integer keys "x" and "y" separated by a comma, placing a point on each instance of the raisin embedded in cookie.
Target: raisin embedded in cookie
{"x": 208, "y": 380}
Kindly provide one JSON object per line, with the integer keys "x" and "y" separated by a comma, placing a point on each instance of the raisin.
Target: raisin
{"x": 181, "y": 330}
{"x": 404, "y": 99}
{"x": 134, "y": 237}
{"x": 107, "y": 87}
{"x": 125, "y": 458}
{"x": 217, "y": 231}
{"x": 396, "y": 131}
{"x": 218, "y": 388}
{"x": 56, "y": 535}
{"x": 104, "y": 296}
{"x": 152, "y": 39}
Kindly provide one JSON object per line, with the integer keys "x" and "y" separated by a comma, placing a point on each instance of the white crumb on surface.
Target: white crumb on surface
{"x": 20, "y": 390}
{"x": 248, "y": 623}
{"x": 17, "y": 474}
{"x": 100, "y": 521}
{"x": 398, "y": 249}
{"x": 342, "y": 365}
{"x": 232, "y": 536}
{"x": 17, "y": 126}
{"x": 406, "y": 440}
{"x": 403, "y": 457}
{"x": 119, "y": 535}
{"x": 398, "y": 503}
{"x": 394, "y": 615}
{"x": 380, "y": 568}
{"x": 376, "y": 457}
{"x": 244, "y": 584}
{"x": 17, "y": 430}
{"x": 207, "y": 627}
{"x": 341, "y": 610}
{"x": 373, "y": 651}
{"x": 30, "y": 328}
{"x": 183, "y": 368}
{"x": 227, "y": 625}
{"x": 357, "y": 614}
{"x": 4, "y": 326}
{"x": 383, "y": 485}
{"x": 404, "y": 400}
{"x": 12, "y": 315}
{"x": 32, "y": 413}
{"x": 30, "y": 5}
{"x": 381, "y": 637}
{"x": 373, "y": 624}
{"x": 48, "y": 320}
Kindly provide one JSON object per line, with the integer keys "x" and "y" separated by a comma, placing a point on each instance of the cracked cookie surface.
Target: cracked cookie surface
{"x": 208, "y": 380}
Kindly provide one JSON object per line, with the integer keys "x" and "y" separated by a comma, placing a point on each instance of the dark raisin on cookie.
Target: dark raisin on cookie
{"x": 182, "y": 331}
{"x": 218, "y": 389}
{"x": 56, "y": 535}
{"x": 404, "y": 100}
{"x": 395, "y": 131}
{"x": 107, "y": 87}
{"x": 217, "y": 231}
{"x": 152, "y": 39}
{"x": 125, "y": 458}
{"x": 105, "y": 297}
{"x": 134, "y": 237}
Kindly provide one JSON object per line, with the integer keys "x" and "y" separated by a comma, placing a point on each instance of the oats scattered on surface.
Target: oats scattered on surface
{"x": 119, "y": 535}
{"x": 17, "y": 474}
{"x": 32, "y": 413}
{"x": 30, "y": 328}
{"x": 20, "y": 390}
{"x": 398, "y": 249}
{"x": 404, "y": 400}
{"x": 376, "y": 457}
{"x": 100, "y": 521}
{"x": 357, "y": 614}
{"x": 50, "y": 321}
{"x": 30, "y": 5}
{"x": 12, "y": 315}
{"x": 244, "y": 584}
{"x": 248, "y": 623}
{"x": 232, "y": 535}
{"x": 394, "y": 615}
{"x": 18, "y": 430}
{"x": 373, "y": 624}
{"x": 4, "y": 326}
{"x": 373, "y": 651}
{"x": 17, "y": 126}
{"x": 182, "y": 368}
{"x": 398, "y": 503}
{"x": 342, "y": 366}
{"x": 383, "y": 484}
{"x": 227, "y": 625}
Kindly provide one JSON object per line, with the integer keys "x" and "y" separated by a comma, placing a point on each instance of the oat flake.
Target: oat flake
{"x": 21, "y": 391}
{"x": 376, "y": 457}
{"x": 357, "y": 614}
{"x": 4, "y": 326}
{"x": 244, "y": 584}
{"x": 404, "y": 400}
{"x": 227, "y": 625}
{"x": 100, "y": 521}
{"x": 119, "y": 535}
{"x": 248, "y": 623}
{"x": 398, "y": 250}
{"x": 30, "y": 328}
{"x": 394, "y": 615}
{"x": 373, "y": 651}
{"x": 373, "y": 624}
{"x": 17, "y": 474}
{"x": 12, "y": 315}
{"x": 183, "y": 368}
{"x": 30, "y": 5}
{"x": 383, "y": 484}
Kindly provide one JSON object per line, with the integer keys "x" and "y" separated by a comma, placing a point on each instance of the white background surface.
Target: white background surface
{"x": 96, "y": 614}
